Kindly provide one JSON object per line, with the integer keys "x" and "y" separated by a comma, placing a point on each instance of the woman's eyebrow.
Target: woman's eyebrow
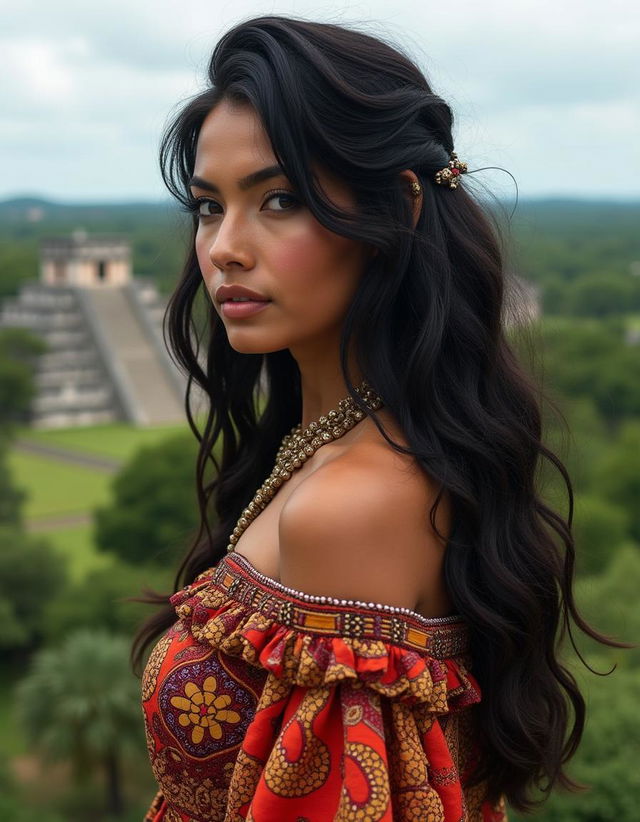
{"x": 245, "y": 183}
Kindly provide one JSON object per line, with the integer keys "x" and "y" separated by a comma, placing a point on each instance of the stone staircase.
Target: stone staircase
{"x": 105, "y": 359}
{"x": 148, "y": 390}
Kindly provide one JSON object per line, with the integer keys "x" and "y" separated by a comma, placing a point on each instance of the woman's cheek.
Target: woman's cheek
{"x": 305, "y": 249}
{"x": 297, "y": 262}
{"x": 202, "y": 256}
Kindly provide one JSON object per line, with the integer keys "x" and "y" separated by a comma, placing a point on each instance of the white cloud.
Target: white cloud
{"x": 536, "y": 87}
{"x": 39, "y": 68}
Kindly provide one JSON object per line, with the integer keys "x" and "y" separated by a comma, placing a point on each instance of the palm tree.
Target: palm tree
{"x": 81, "y": 703}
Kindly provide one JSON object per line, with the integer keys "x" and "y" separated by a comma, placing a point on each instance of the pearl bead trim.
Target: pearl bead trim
{"x": 327, "y": 600}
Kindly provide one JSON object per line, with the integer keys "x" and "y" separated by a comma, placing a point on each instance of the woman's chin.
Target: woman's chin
{"x": 242, "y": 345}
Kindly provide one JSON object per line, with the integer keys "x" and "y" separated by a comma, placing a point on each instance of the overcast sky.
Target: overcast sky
{"x": 548, "y": 90}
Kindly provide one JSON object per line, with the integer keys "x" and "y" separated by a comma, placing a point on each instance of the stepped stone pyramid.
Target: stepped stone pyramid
{"x": 105, "y": 358}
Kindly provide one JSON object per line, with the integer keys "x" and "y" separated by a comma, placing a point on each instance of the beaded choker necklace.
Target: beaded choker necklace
{"x": 299, "y": 445}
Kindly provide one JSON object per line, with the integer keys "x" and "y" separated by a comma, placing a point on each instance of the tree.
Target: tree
{"x": 81, "y": 703}
{"x": 589, "y": 358}
{"x": 18, "y": 353}
{"x": 30, "y": 576}
{"x": 609, "y": 602}
{"x": 18, "y": 261}
{"x": 154, "y": 504}
{"x": 11, "y": 498}
{"x": 616, "y": 389}
{"x": 617, "y": 475}
{"x": 102, "y": 599}
{"x": 600, "y": 528}
{"x": 603, "y": 294}
{"x": 607, "y": 758}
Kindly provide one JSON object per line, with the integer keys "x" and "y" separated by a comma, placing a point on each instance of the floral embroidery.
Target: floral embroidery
{"x": 359, "y": 721}
{"x": 203, "y": 709}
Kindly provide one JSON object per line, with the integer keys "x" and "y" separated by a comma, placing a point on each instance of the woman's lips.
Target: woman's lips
{"x": 244, "y": 308}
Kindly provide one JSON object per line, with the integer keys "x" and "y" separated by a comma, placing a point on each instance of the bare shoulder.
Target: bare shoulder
{"x": 358, "y": 528}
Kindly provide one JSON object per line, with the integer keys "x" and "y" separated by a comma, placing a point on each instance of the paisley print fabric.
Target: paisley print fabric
{"x": 267, "y": 705}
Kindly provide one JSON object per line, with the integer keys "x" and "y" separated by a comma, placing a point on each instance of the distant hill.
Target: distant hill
{"x": 34, "y": 211}
{"x": 562, "y": 214}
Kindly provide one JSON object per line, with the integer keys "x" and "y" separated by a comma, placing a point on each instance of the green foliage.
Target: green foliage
{"x": 609, "y": 602}
{"x": 608, "y": 756}
{"x": 598, "y": 294}
{"x": 16, "y": 391}
{"x": 80, "y": 703}
{"x": 154, "y": 510}
{"x": 102, "y": 600}
{"x": 20, "y": 345}
{"x": 11, "y": 497}
{"x": 588, "y": 440}
{"x": 80, "y": 700}
{"x": 18, "y": 352}
{"x": 601, "y": 295}
{"x": 15, "y": 807}
{"x": 18, "y": 263}
{"x": 603, "y": 466}
{"x": 617, "y": 474}
{"x": 564, "y": 240}
{"x": 610, "y": 747}
{"x": 600, "y": 528}
{"x": 30, "y": 576}
{"x": 586, "y": 358}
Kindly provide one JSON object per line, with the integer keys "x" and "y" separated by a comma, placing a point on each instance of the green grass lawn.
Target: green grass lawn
{"x": 77, "y": 547}
{"x": 57, "y": 488}
{"x": 117, "y": 440}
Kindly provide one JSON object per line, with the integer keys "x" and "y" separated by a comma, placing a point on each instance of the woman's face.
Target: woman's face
{"x": 259, "y": 236}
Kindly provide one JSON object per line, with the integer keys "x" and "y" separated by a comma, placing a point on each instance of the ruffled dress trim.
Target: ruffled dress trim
{"x": 359, "y": 717}
{"x": 314, "y": 641}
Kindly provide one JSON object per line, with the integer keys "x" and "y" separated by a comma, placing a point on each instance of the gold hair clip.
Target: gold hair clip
{"x": 450, "y": 176}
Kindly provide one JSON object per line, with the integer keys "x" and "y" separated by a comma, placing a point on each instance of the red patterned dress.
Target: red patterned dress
{"x": 263, "y": 703}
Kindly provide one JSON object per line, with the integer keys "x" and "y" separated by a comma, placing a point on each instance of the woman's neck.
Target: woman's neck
{"x": 322, "y": 382}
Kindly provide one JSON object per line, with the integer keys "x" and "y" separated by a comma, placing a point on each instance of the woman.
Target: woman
{"x": 371, "y": 634}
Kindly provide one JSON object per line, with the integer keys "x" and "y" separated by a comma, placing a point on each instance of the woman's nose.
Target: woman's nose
{"x": 230, "y": 243}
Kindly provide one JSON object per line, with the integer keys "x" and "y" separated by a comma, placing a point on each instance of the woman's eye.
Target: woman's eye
{"x": 204, "y": 207}
{"x": 283, "y": 195}
{"x": 283, "y": 199}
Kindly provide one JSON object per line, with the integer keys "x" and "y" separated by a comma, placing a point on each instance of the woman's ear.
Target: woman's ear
{"x": 416, "y": 199}
{"x": 409, "y": 177}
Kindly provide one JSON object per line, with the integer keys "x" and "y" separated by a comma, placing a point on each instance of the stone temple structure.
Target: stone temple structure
{"x": 105, "y": 358}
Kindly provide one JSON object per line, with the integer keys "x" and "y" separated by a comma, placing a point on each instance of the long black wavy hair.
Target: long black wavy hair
{"x": 427, "y": 324}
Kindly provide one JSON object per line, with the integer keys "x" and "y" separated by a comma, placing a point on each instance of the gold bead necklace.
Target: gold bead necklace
{"x": 297, "y": 446}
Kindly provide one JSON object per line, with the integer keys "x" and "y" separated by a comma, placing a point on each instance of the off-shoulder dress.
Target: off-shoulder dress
{"x": 267, "y": 704}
